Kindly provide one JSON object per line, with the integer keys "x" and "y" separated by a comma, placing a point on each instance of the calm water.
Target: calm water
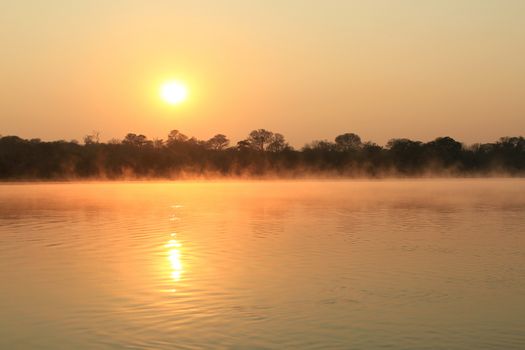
{"x": 263, "y": 265}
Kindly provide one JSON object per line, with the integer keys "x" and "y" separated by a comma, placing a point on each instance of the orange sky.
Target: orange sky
{"x": 307, "y": 69}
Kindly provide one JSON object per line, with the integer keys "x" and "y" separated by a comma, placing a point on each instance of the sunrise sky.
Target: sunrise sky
{"x": 307, "y": 69}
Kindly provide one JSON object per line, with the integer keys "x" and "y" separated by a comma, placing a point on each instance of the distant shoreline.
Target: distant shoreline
{"x": 262, "y": 155}
{"x": 262, "y": 179}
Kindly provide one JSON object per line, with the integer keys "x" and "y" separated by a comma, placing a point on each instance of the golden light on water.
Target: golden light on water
{"x": 174, "y": 257}
{"x": 174, "y": 92}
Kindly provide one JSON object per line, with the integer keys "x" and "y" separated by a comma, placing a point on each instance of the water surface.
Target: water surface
{"x": 428, "y": 264}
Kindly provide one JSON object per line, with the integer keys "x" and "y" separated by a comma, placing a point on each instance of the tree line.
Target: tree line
{"x": 262, "y": 153}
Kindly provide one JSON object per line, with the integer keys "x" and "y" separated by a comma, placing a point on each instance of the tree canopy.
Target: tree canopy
{"x": 262, "y": 153}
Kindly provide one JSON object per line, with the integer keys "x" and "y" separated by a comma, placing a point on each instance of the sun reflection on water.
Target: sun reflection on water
{"x": 174, "y": 257}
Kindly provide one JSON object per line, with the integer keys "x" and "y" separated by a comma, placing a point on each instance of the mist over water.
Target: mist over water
{"x": 400, "y": 264}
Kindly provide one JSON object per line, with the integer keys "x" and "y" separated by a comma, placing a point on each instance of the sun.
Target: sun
{"x": 173, "y": 92}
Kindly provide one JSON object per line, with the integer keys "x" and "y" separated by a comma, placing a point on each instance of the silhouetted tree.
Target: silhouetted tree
{"x": 218, "y": 142}
{"x": 260, "y": 138}
{"x": 444, "y": 150}
{"x": 348, "y": 141}
{"x": 278, "y": 144}
{"x": 176, "y": 137}
{"x": 320, "y": 145}
{"x": 136, "y": 140}
{"x": 244, "y": 145}
{"x": 406, "y": 155}
{"x": 92, "y": 138}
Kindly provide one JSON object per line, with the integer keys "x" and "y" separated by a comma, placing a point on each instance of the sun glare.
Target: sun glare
{"x": 174, "y": 257}
{"x": 173, "y": 92}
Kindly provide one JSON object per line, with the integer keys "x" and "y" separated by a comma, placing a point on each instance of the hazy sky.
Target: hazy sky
{"x": 308, "y": 69}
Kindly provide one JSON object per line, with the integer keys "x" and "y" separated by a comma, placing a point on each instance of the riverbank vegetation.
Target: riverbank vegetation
{"x": 262, "y": 154}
